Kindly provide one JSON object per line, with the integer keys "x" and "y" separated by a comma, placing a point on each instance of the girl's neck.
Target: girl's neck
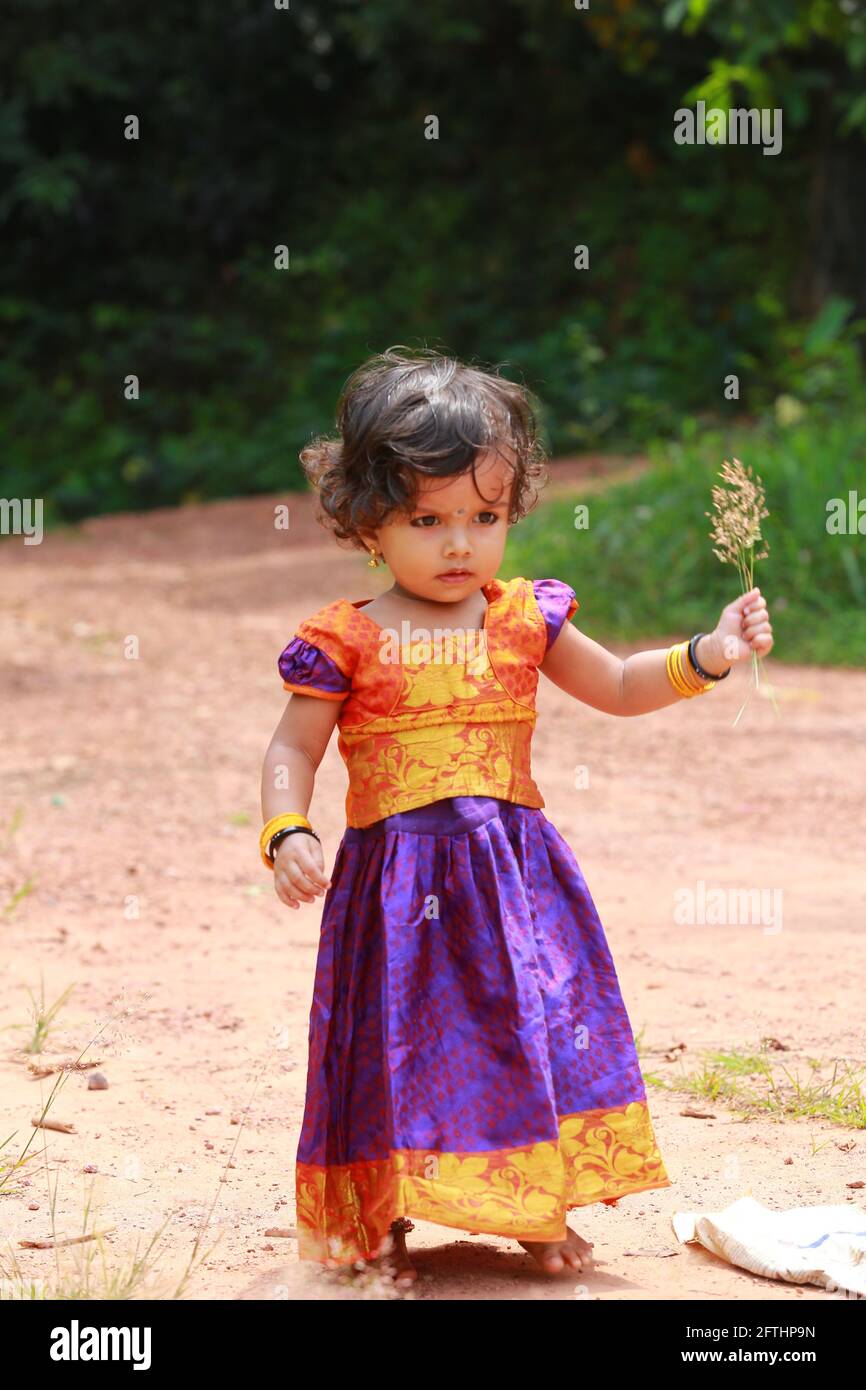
{"x": 397, "y": 591}
{"x": 398, "y": 603}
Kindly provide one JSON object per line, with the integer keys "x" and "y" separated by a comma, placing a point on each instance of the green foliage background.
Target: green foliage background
{"x": 645, "y": 565}
{"x": 304, "y": 126}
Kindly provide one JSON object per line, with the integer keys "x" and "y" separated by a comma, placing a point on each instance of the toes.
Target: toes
{"x": 550, "y": 1257}
{"x": 577, "y": 1251}
{"x": 573, "y": 1258}
{"x": 573, "y": 1253}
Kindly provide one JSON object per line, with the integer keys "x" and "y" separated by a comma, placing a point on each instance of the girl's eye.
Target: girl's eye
{"x": 420, "y": 520}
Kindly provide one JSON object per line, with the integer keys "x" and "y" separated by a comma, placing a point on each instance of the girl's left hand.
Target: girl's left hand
{"x": 744, "y": 627}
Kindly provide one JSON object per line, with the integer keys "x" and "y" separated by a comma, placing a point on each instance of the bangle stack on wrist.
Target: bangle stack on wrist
{"x": 277, "y": 828}
{"x": 707, "y": 675}
{"x": 686, "y": 676}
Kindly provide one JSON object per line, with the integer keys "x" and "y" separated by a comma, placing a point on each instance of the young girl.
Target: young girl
{"x": 471, "y": 1059}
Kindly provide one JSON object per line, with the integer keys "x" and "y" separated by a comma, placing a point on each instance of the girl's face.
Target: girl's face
{"x": 451, "y": 528}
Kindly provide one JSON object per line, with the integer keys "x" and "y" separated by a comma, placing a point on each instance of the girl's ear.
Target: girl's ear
{"x": 368, "y": 539}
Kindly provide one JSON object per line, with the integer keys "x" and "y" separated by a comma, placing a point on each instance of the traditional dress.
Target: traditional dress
{"x": 471, "y": 1060}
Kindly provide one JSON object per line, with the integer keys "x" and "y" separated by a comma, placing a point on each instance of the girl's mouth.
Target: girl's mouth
{"x": 454, "y": 576}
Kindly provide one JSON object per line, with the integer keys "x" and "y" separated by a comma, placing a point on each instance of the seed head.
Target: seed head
{"x": 738, "y": 508}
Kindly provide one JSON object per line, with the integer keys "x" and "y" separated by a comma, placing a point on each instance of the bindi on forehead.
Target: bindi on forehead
{"x": 496, "y": 479}
{"x": 424, "y": 505}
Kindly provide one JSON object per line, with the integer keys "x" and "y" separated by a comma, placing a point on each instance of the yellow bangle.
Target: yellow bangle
{"x": 685, "y": 681}
{"x": 673, "y": 676}
{"x": 270, "y": 828}
{"x": 689, "y": 682}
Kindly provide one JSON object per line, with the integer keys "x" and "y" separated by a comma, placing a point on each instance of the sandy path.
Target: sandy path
{"x": 134, "y": 777}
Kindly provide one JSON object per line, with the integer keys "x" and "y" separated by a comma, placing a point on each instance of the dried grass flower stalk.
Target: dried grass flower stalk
{"x": 738, "y": 510}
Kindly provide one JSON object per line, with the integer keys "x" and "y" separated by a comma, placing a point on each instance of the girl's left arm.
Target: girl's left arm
{"x": 641, "y": 684}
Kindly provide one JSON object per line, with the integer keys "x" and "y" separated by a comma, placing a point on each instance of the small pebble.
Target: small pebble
{"x": 96, "y": 1081}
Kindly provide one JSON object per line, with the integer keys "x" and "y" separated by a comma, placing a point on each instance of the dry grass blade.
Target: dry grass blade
{"x": 40, "y": 1069}
{"x": 59, "y": 1125}
{"x": 738, "y": 510}
{"x": 56, "y": 1243}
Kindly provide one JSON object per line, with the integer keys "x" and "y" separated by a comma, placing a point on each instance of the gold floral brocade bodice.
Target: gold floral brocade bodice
{"x": 448, "y": 716}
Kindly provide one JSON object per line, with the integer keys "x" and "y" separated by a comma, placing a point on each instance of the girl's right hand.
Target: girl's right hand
{"x": 299, "y": 870}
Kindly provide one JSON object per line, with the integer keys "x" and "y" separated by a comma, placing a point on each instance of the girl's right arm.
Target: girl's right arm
{"x": 288, "y": 776}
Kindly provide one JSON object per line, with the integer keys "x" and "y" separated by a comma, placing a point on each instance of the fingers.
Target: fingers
{"x": 296, "y": 879}
{"x": 283, "y": 895}
{"x": 755, "y": 618}
{"x": 297, "y": 884}
{"x": 756, "y": 627}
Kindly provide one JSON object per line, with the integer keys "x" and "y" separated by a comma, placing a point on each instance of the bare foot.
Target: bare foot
{"x": 396, "y": 1257}
{"x": 554, "y": 1256}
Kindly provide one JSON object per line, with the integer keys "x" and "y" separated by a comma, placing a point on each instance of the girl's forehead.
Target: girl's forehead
{"x": 459, "y": 495}
{"x": 449, "y": 503}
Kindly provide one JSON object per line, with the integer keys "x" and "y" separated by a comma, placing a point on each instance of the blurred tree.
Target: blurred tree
{"x": 305, "y": 127}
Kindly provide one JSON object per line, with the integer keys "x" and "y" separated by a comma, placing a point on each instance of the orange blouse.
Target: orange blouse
{"x": 450, "y": 716}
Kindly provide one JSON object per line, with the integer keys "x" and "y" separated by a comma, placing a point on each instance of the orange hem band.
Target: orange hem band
{"x": 344, "y": 1212}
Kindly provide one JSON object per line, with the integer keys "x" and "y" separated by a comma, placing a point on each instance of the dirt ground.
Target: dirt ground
{"x": 138, "y": 784}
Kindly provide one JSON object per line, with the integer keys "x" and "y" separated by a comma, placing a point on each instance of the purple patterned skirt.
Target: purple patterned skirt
{"x": 471, "y": 1060}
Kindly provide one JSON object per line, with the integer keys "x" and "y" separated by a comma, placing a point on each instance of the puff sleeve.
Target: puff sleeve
{"x": 557, "y": 603}
{"x": 317, "y": 660}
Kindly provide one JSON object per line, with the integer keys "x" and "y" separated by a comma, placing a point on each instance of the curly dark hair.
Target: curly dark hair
{"x": 408, "y": 412}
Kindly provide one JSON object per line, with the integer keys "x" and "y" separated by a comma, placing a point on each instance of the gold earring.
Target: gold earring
{"x": 374, "y": 563}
